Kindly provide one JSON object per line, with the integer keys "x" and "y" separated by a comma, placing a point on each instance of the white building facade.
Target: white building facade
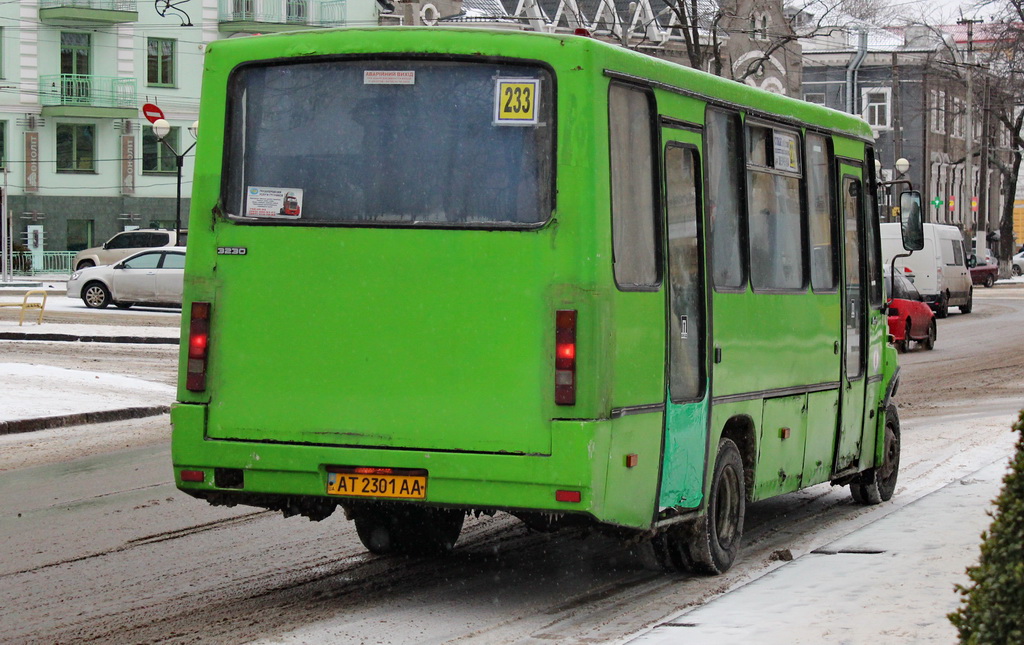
{"x": 80, "y": 161}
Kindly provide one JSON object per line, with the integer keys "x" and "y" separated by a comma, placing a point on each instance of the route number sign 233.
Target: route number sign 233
{"x": 515, "y": 101}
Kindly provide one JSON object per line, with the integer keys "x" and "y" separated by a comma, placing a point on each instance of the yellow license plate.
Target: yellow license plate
{"x": 392, "y": 486}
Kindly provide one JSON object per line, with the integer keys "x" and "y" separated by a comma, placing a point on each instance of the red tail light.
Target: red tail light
{"x": 565, "y": 357}
{"x": 198, "y": 347}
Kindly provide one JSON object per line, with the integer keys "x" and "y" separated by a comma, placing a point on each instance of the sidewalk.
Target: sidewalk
{"x": 30, "y": 401}
{"x": 888, "y": 582}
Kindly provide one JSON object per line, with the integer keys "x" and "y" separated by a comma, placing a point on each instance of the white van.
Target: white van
{"x": 940, "y": 269}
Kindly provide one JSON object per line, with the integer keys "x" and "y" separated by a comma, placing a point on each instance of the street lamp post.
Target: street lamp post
{"x": 902, "y": 166}
{"x": 161, "y": 128}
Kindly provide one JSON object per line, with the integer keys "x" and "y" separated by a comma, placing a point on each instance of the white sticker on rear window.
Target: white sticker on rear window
{"x": 388, "y": 77}
{"x": 261, "y": 201}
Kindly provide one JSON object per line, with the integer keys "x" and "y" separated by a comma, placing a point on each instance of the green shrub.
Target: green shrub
{"x": 992, "y": 604}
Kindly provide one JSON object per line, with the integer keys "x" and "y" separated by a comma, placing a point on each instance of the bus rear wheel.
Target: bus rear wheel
{"x": 877, "y": 485}
{"x": 407, "y": 528}
{"x": 711, "y": 543}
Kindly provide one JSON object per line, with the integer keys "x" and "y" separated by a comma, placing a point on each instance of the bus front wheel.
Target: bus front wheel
{"x": 411, "y": 529}
{"x": 876, "y": 485}
{"x": 711, "y": 543}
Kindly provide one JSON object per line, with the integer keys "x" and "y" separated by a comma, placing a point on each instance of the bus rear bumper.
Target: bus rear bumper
{"x": 611, "y": 466}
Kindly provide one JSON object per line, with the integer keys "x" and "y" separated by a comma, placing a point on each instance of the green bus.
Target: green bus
{"x": 433, "y": 271}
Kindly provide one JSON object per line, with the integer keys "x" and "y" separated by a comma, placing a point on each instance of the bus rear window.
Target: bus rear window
{"x": 390, "y": 143}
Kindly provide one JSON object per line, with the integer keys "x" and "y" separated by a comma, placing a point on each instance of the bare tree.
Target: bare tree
{"x": 1004, "y": 61}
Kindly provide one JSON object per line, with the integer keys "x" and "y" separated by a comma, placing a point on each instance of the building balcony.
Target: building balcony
{"x": 87, "y": 12}
{"x": 88, "y": 96}
{"x": 250, "y": 16}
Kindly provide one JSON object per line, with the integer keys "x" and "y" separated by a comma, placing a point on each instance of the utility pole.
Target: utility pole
{"x": 983, "y": 187}
{"x": 969, "y": 134}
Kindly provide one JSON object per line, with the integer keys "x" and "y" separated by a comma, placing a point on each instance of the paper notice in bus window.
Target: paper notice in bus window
{"x": 785, "y": 152}
{"x": 515, "y": 101}
{"x": 388, "y": 77}
{"x": 261, "y": 201}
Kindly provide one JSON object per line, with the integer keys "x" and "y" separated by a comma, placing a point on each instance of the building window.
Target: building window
{"x": 938, "y": 111}
{"x": 876, "y": 107}
{"x": 759, "y": 27}
{"x": 818, "y": 98}
{"x": 156, "y": 157}
{"x": 79, "y": 234}
{"x": 297, "y": 10}
{"x": 76, "y": 146}
{"x": 242, "y": 9}
{"x": 160, "y": 61}
{"x": 3, "y": 144}
{"x": 958, "y": 118}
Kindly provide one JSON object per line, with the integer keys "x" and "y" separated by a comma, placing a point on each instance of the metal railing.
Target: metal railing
{"x": 312, "y": 13}
{"x": 29, "y": 263}
{"x": 106, "y": 5}
{"x": 88, "y": 90}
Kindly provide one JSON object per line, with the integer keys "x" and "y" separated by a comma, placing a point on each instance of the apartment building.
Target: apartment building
{"x": 80, "y": 160}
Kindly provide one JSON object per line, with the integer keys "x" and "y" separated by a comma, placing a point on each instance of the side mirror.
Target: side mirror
{"x": 911, "y": 224}
{"x": 972, "y": 262}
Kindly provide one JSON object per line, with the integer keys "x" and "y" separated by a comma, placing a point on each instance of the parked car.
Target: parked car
{"x": 983, "y": 274}
{"x": 1018, "y": 264}
{"x": 124, "y": 244}
{"x": 940, "y": 268}
{"x": 154, "y": 276}
{"x": 910, "y": 318}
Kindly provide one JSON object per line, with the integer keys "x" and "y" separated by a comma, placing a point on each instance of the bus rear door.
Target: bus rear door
{"x": 686, "y": 409}
{"x": 855, "y": 321}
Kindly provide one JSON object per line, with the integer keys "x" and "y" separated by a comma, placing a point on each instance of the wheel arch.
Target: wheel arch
{"x": 740, "y": 430}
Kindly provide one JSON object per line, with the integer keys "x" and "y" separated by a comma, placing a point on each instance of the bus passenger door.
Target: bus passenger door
{"x": 854, "y": 317}
{"x": 686, "y": 408}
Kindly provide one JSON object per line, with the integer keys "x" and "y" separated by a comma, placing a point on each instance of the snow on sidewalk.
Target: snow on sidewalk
{"x": 34, "y": 391}
{"x": 889, "y": 582}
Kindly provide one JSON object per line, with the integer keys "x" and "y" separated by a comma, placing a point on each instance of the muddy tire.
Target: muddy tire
{"x": 407, "y": 528}
{"x": 969, "y": 305}
{"x": 929, "y": 343}
{"x": 942, "y": 307}
{"x": 716, "y": 541}
{"x": 877, "y": 485}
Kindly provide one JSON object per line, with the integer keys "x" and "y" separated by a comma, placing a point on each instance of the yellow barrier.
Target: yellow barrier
{"x": 26, "y": 305}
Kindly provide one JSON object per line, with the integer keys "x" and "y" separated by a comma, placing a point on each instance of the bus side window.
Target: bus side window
{"x": 872, "y": 239}
{"x": 774, "y": 217}
{"x": 723, "y": 153}
{"x": 634, "y": 215}
{"x": 822, "y": 233}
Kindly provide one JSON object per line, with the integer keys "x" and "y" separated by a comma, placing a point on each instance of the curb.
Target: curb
{"x": 145, "y": 340}
{"x": 82, "y": 418}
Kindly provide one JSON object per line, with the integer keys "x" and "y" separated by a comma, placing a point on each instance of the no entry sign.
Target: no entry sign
{"x": 152, "y": 112}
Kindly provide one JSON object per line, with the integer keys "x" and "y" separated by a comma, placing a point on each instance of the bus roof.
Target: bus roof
{"x": 553, "y": 48}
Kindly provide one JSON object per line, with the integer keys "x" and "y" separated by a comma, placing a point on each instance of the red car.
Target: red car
{"x": 910, "y": 319}
{"x": 983, "y": 274}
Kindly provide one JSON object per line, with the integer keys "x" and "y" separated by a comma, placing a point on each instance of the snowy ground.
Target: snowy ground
{"x": 882, "y": 575}
{"x": 889, "y": 582}
{"x": 29, "y": 392}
